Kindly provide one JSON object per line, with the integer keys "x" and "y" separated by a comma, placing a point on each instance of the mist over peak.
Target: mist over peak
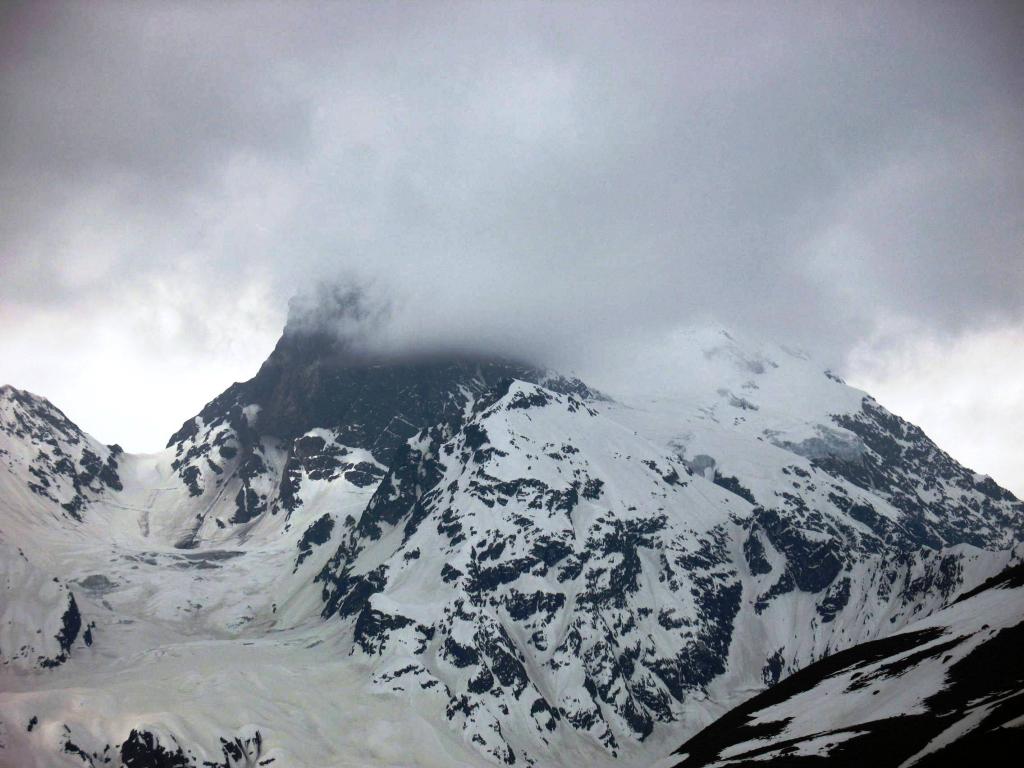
{"x": 342, "y": 314}
{"x": 562, "y": 183}
{"x": 359, "y": 318}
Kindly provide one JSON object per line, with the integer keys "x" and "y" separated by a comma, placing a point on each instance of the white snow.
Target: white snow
{"x": 227, "y": 638}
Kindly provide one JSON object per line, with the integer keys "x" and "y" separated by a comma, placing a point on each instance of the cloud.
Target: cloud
{"x": 968, "y": 391}
{"x": 549, "y": 180}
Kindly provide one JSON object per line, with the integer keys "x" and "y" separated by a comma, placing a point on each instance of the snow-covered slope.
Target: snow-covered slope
{"x": 607, "y": 583}
{"x": 453, "y": 560}
{"x": 39, "y": 619}
{"x": 510, "y": 566}
{"x": 947, "y": 690}
{"x": 58, "y": 462}
{"x": 245, "y": 453}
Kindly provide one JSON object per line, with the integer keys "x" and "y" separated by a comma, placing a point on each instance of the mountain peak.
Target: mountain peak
{"x": 55, "y": 459}
{"x": 22, "y": 412}
{"x": 548, "y": 572}
{"x": 334, "y": 366}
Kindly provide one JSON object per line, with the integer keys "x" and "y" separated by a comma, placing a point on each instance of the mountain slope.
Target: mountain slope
{"x": 613, "y": 585}
{"x": 455, "y": 560}
{"x": 242, "y": 456}
{"x": 60, "y": 463}
{"x": 946, "y": 690}
{"x": 40, "y": 622}
{"x": 511, "y": 564}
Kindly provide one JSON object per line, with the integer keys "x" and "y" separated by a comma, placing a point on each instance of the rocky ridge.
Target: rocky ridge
{"x": 547, "y": 570}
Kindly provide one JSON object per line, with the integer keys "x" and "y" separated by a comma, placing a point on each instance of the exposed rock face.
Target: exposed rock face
{"x": 945, "y": 691}
{"x": 252, "y": 444}
{"x": 145, "y": 748}
{"x": 549, "y": 565}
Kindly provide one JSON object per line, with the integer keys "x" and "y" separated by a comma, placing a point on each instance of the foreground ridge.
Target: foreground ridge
{"x": 946, "y": 690}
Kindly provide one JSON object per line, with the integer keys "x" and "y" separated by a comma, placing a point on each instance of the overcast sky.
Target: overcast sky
{"x": 555, "y": 179}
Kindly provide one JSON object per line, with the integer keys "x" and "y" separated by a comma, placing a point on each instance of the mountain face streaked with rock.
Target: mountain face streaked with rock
{"x": 947, "y": 690}
{"x": 454, "y": 559}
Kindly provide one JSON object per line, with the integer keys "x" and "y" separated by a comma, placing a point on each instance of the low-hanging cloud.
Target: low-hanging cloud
{"x": 544, "y": 179}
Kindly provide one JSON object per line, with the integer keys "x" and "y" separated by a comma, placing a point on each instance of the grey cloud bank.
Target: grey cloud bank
{"x": 552, "y": 180}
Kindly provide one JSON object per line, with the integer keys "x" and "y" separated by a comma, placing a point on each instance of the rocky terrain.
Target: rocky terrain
{"x": 454, "y": 559}
{"x": 947, "y": 690}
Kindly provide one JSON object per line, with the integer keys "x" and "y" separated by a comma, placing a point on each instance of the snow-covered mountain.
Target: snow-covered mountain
{"x": 450, "y": 559}
{"x": 946, "y": 690}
